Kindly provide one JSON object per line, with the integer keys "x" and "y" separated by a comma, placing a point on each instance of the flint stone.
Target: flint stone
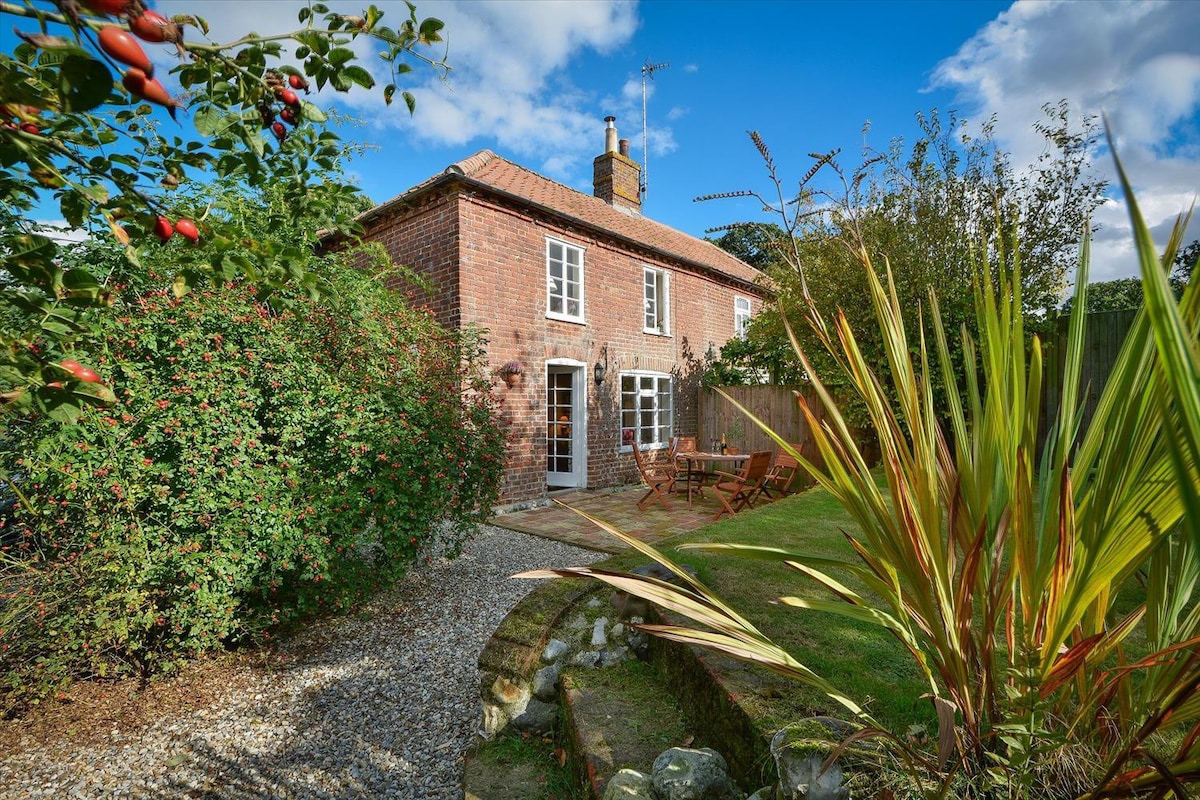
{"x": 588, "y": 658}
{"x": 614, "y": 656}
{"x": 578, "y": 622}
{"x": 598, "y": 637}
{"x": 685, "y": 774}
{"x": 618, "y": 630}
{"x": 545, "y": 683}
{"x": 799, "y": 751}
{"x": 538, "y": 717}
{"x": 594, "y": 602}
{"x": 629, "y": 784}
{"x": 554, "y": 649}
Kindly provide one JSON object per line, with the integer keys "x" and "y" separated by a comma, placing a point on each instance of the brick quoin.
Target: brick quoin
{"x": 484, "y": 251}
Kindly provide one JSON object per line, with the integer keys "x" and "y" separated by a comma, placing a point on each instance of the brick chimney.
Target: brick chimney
{"x": 616, "y": 178}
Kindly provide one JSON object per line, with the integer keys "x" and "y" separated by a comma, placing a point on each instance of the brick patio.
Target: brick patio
{"x": 617, "y": 507}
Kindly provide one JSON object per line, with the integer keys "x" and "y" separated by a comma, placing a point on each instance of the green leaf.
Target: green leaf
{"x": 74, "y": 207}
{"x": 359, "y": 75}
{"x": 410, "y": 101}
{"x": 83, "y": 83}
{"x": 429, "y": 30}
{"x": 302, "y": 51}
{"x": 311, "y": 112}
{"x": 340, "y": 55}
{"x": 388, "y": 92}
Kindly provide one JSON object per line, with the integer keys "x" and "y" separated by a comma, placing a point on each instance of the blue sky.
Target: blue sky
{"x": 533, "y": 80}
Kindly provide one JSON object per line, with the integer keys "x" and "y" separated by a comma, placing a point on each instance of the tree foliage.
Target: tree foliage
{"x": 260, "y": 463}
{"x": 1126, "y": 293}
{"x": 931, "y": 211}
{"x": 79, "y": 128}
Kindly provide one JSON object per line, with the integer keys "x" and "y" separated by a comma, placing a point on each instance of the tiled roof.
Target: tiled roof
{"x": 490, "y": 170}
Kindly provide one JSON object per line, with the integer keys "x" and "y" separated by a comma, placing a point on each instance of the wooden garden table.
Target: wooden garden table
{"x": 700, "y": 456}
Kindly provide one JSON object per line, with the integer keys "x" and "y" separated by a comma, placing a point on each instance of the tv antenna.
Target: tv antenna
{"x": 648, "y": 70}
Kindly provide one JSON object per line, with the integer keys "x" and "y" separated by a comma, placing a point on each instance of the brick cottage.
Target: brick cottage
{"x": 609, "y": 314}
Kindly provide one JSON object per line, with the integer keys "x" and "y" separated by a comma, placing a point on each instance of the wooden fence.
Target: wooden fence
{"x": 777, "y": 407}
{"x": 774, "y": 405}
{"x": 1104, "y": 335}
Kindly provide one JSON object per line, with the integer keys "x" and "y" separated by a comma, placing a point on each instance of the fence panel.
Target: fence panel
{"x": 1104, "y": 335}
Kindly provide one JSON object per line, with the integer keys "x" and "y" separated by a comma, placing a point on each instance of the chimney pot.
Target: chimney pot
{"x": 610, "y": 134}
{"x": 616, "y": 178}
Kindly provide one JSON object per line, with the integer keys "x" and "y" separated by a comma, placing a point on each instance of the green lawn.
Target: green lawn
{"x": 862, "y": 660}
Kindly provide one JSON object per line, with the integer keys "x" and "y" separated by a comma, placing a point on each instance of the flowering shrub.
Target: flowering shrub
{"x": 258, "y": 466}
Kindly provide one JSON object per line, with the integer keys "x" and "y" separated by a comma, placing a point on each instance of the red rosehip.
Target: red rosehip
{"x": 124, "y": 48}
{"x": 109, "y": 8}
{"x": 187, "y": 229}
{"x": 289, "y": 116}
{"x": 29, "y": 127}
{"x": 279, "y": 131}
{"x": 152, "y": 26}
{"x": 87, "y": 375}
{"x": 138, "y": 83}
{"x": 163, "y": 229}
{"x": 289, "y": 97}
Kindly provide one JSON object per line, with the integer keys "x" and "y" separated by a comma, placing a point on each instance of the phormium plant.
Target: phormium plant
{"x": 997, "y": 562}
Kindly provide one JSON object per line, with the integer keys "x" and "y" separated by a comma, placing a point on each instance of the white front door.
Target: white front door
{"x": 566, "y": 452}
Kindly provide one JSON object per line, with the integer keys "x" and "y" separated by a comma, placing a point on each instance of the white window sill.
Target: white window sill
{"x": 565, "y": 318}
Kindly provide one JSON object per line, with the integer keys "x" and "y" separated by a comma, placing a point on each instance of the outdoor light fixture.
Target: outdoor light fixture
{"x": 599, "y": 371}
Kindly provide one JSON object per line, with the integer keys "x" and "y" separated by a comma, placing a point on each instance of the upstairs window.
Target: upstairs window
{"x": 741, "y": 316}
{"x": 656, "y": 300}
{"x": 646, "y": 410}
{"x": 564, "y": 281}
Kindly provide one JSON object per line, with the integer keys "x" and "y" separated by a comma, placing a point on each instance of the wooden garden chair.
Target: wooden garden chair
{"x": 781, "y": 477}
{"x": 686, "y": 468}
{"x": 737, "y": 491}
{"x": 659, "y": 477}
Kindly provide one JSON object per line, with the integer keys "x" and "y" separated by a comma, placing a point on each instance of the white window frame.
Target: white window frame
{"x": 563, "y": 296}
{"x": 647, "y": 399}
{"x": 659, "y": 304}
{"x": 741, "y": 315}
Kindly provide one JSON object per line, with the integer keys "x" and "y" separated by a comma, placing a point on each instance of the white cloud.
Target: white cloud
{"x": 1136, "y": 62}
{"x": 508, "y": 80}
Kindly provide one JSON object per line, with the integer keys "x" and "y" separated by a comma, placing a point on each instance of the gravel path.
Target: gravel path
{"x": 379, "y": 705}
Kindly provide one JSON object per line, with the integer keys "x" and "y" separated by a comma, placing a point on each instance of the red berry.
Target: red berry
{"x": 297, "y": 82}
{"x": 290, "y": 98}
{"x": 70, "y": 366}
{"x": 279, "y": 131}
{"x": 124, "y": 48}
{"x": 289, "y": 116}
{"x": 87, "y": 375}
{"x": 54, "y": 385}
{"x": 29, "y": 127}
{"x": 152, "y": 26}
{"x": 109, "y": 8}
{"x": 163, "y": 229}
{"x": 187, "y": 229}
{"x": 139, "y": 85}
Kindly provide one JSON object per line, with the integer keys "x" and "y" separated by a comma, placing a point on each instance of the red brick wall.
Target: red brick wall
{"x": 499, "y": 280}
